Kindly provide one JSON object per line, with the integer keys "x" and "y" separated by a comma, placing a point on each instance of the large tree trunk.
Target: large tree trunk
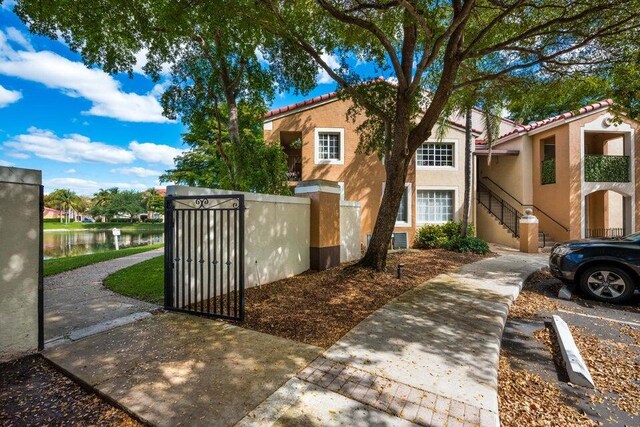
{"x": 468, "y": 170}
{"x": 396, "y": 167}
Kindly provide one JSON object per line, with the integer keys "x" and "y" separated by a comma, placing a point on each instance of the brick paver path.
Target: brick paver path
{"x": 410, "y": 403}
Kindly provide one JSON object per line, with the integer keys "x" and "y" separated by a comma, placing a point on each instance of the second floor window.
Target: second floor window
{"x": 436, "y": 154}
{"x": 329, "y": 146}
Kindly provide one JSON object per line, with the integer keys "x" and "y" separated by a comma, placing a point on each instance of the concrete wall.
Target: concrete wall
{"x": 19, "y": 261}
{"x": 277, "y": 240}
{"x": 276, "y": 234}
{"x": 349, "y": 231}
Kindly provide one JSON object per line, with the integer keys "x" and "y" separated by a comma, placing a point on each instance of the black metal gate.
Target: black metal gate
{"x": 204, "y": 255}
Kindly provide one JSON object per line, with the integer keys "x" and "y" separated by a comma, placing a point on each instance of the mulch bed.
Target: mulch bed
{"x": 318, "y": 308}
{"x": 33, "y": 393}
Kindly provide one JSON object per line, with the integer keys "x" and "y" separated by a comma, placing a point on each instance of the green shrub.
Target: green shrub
{"x": 467, "y": 244}
{"x": 447, "y": 236}
{"x": 430, "y": 236}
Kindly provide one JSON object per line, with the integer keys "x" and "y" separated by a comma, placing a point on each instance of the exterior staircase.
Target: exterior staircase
{"x": 507, "y": 215}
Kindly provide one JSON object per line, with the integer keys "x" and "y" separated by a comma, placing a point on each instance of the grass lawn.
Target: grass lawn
{"x": 59, "y": 265}
{"x": 103, "y": 225}
{"x": 144, "y": 281}
{"x": 314, "y": 307}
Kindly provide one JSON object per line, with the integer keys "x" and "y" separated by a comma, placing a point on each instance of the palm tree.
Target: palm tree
{"x": 66, "y": 200}
{"x": 102, "y": 199}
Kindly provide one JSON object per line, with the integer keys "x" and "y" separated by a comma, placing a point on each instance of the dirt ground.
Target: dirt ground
{"x": 33, "y": 393}
{"x": 533, "y": 385}
{"x": 318, "y": 308}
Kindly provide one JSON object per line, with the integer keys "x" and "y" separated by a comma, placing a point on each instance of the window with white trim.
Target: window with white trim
{"x": 403, "y": 210}
{"x": 436, "y": 154}
{"x": 434, "y": 206}
{"x": 329, "y": 146}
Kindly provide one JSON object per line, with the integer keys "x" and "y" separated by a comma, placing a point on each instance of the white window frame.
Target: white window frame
{"x": 317, "y": 159}
{"x": 456, "y": 156}
{"x": 407, "y": 186}
{"x": 455, "y": 206}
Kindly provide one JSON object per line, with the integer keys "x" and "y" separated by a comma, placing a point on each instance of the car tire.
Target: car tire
{"x": 607, "y": 284}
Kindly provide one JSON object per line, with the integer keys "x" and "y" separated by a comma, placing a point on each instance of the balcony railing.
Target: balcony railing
{"x": 548, "y": 171}
{"x": 609, "y": 233}
{"x": 600, "y": 168}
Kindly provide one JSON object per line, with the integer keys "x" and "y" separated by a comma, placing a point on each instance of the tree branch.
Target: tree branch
{"x": 373, "y": 29}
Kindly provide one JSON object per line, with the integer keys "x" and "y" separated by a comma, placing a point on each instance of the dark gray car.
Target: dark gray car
{"x": 606, "y": 270}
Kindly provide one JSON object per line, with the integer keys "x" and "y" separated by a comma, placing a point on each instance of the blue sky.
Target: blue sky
{"x": 83, "y": 128}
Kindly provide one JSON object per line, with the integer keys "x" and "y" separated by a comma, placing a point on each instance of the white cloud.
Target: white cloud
{"x": 141, "y": 61}
{"x": 79, "y": 148}
{"x": 69, "y": 148}
{"x": 70, "y": 171}
{"x": 5, "y": 163}
{"x": 14, "y": 35}
{"x": 89, "y": 186}
{"x": 154, "y": 153}
{"x": 332, "y": 62}
{"x": 18, "y": 155}
{"x": 138, "y": 171}
{"x": 76, "y": 80}
{"x": 260, "y": 56}
{"x": 8, "y": 4}
{"x": 8, "y": 96}
{"x": 83, "y": 186}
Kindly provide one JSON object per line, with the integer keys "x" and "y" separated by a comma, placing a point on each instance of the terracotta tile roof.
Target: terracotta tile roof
{"x": 520, "y": 129}
{"x": 332, "y": 95}
{"x": 314, "y": 100}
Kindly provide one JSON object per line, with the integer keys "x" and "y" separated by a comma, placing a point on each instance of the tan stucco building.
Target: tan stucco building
{"x": 321, "y": 144}
{"x": 577, "y": 171}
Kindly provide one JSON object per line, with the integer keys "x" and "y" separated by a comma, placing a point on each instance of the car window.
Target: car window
{"x": 635, "y": 237}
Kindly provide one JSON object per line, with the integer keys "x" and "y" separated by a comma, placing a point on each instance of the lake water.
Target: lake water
{"x": 70, "y": 243}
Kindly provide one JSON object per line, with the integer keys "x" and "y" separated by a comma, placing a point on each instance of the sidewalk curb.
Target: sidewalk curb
{"x": 98, "y": 328}
{"x": 576, "y": 368}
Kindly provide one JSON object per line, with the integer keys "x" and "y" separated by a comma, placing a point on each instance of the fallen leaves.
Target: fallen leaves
{"x": 320, "y": 307}
{"x": 531, "y": 300}
{"x": 527, "y": 400}
{"x": 34, "y": 393}
{"x": 614, "y": 367}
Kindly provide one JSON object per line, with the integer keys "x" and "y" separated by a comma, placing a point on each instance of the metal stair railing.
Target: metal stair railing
{"x": 506, "y": 214}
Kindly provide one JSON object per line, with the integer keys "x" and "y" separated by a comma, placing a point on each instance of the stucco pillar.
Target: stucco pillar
{"x": 529, "y": 233}
{"x": 324, "y": 238}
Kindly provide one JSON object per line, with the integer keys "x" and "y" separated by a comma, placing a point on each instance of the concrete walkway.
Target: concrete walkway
{"x": 176, "y": 369}
{"x": 429, "y": 357}
{"x": 76, "y": 303}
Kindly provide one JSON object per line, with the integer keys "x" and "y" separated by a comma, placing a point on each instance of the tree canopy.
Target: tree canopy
{"x": 430, "y": 51}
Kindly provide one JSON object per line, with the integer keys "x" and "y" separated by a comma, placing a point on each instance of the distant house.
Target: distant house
{"x": 51, "y": 213}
